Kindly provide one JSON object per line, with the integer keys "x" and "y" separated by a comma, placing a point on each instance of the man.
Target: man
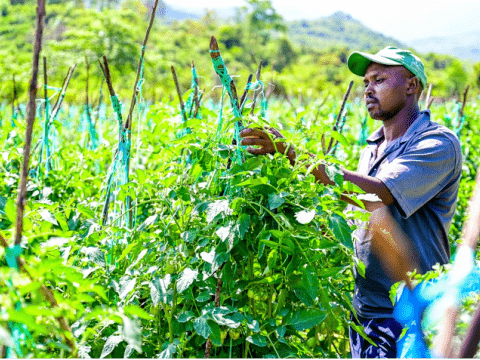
{"x": 412, "y": 164}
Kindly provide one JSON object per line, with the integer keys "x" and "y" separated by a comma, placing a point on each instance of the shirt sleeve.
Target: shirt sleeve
{"x": 417, "y": 175}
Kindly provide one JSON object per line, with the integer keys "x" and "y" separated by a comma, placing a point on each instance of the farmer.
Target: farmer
{"x": 411, "y": 164}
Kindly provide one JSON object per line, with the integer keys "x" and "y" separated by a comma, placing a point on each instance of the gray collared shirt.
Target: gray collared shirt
{"x": 422, "y": 170}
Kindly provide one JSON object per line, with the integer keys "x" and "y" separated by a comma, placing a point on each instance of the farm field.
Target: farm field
{"x": 164, "y": 238}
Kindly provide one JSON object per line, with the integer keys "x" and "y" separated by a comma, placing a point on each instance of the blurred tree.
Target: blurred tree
{"x": 457, "y": 76}
{"x": 476, "y": 70}
{"x": 263, "y": 19}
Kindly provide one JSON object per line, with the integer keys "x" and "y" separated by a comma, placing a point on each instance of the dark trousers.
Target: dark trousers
{"x": 383, "y": 331}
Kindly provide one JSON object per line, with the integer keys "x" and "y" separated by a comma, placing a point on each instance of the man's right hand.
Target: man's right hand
{"x": 265, "y": 139}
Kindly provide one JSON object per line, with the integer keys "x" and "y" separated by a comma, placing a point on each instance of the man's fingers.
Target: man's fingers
{"x": 249, "y": 132}
{"x": 259, "y": 151}
{"x": 256, "y": 142}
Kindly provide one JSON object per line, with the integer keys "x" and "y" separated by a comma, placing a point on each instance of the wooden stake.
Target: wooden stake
{"x": 215, "y": 53}
{"x": 22, "y": 191}
{"x": 337, "y": 122}
{"x": 14, "y": 96}
{"x": 179, "y": 93}
{"x": 460, "y": 114}
{"x": 61, "y": 95}
{"x": 427, "y": 100}
{"x": 243, "y": 99}
{"x": 218, "y": 293}
{"x": 430, "y": 101}
{"x": 259, "y": 69}
{"x": 128, "y": 123}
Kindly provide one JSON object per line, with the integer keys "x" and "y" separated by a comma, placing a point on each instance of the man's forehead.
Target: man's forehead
{"x": 375, "y": 69}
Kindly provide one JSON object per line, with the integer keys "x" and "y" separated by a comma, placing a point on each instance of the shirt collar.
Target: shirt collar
{"x": 420, "y": 123}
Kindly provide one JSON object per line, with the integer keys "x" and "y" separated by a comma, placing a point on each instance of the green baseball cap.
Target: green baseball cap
{"x": 358, "y": 61}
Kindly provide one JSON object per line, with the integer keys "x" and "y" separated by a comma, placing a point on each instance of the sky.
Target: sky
{"x": 404, "y": 20}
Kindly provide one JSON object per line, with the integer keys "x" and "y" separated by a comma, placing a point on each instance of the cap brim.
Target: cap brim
{"x": 358, "y": 62}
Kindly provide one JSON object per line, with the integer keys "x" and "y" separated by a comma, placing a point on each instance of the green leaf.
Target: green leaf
{"x": 168, "y": 352}
{"x": 304, "y": 217}
{"x": 303, "y": 295}
{"x": 340, "y": 138}
{"x": 243, "y": 224}
{"x": 159, "y": 291}
{"x": 206, "y": 327}
{"x": 252, "y": 182}
{"x": 111, "y": 344}
{"x": 47, "y": 216}
{"x": 216, "y": 208}
{"x": 201, "y": 326}
{"x": 281, "y": 330}
{"x": 258, "y": 340}
{"x": 5, "y": 338}
{"x": 272, "y": 258}
{"x": 185, "y": 316}
{"x": 135, "y": 310}
{"x": 95, "y": 255}
{"x": 274, "y": 201}
{"x": 334, "y": 173}
{"x": 186, "y": 278}
{"x": 126, "y": 285}
{"x": 310, "y": 282}
{"x": 188, "y": 236}
{"x": 341, "y": 230}
{"x": 84, "y": 351}
{"x": 305, "y": 319}
{"x": 132, "y": 332}
{"x": 360, "y": 266}
{"x": 10, "y": 210}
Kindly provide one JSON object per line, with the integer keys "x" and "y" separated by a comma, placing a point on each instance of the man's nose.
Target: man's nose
{"x": 368, "y": 90}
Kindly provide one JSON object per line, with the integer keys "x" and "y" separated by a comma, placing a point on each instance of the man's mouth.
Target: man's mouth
{"x": 371, "y": 103}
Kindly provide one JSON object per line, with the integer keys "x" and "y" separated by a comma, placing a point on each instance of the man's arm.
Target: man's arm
{"x": 266, "y": 145}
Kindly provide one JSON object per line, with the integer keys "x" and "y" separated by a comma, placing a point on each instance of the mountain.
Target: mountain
{"x": 170, "y": 13}
{"x": 338, "y": 29}
{"x": 464, "y": 46}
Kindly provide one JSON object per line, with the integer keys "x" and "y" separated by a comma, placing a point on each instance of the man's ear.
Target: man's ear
{"x": 414, "y": 86}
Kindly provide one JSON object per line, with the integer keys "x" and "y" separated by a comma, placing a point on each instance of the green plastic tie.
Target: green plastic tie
{"x": 12, "y": 253}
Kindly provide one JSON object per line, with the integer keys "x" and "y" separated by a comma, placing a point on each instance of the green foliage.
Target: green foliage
{"x": 297, "y": 60}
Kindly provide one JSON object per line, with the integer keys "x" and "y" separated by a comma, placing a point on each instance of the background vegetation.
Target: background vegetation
{"x": 301, "y": 58}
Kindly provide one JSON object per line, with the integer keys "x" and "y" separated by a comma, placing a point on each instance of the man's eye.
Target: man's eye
{"x": 379, "y": 80}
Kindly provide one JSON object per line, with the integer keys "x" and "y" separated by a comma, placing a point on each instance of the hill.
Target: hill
{"x": 464, "y": 46}
{"x": 338, "y": 29}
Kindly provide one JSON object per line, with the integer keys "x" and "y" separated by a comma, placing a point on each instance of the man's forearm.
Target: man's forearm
{"x": 369, "y": 184}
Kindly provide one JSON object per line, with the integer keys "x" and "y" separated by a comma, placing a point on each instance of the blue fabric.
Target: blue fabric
{"x": 422, "y": 170}
{"x": 384, "y": 332}
{"x": 409, "y": 310}
{"x": 412, "y": 307}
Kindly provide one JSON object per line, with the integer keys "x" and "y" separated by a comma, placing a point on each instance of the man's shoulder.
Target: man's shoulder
{"x": 437, "y": 134}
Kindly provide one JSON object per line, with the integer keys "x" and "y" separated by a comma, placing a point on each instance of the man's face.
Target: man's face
{"x": 385, "y": 90}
